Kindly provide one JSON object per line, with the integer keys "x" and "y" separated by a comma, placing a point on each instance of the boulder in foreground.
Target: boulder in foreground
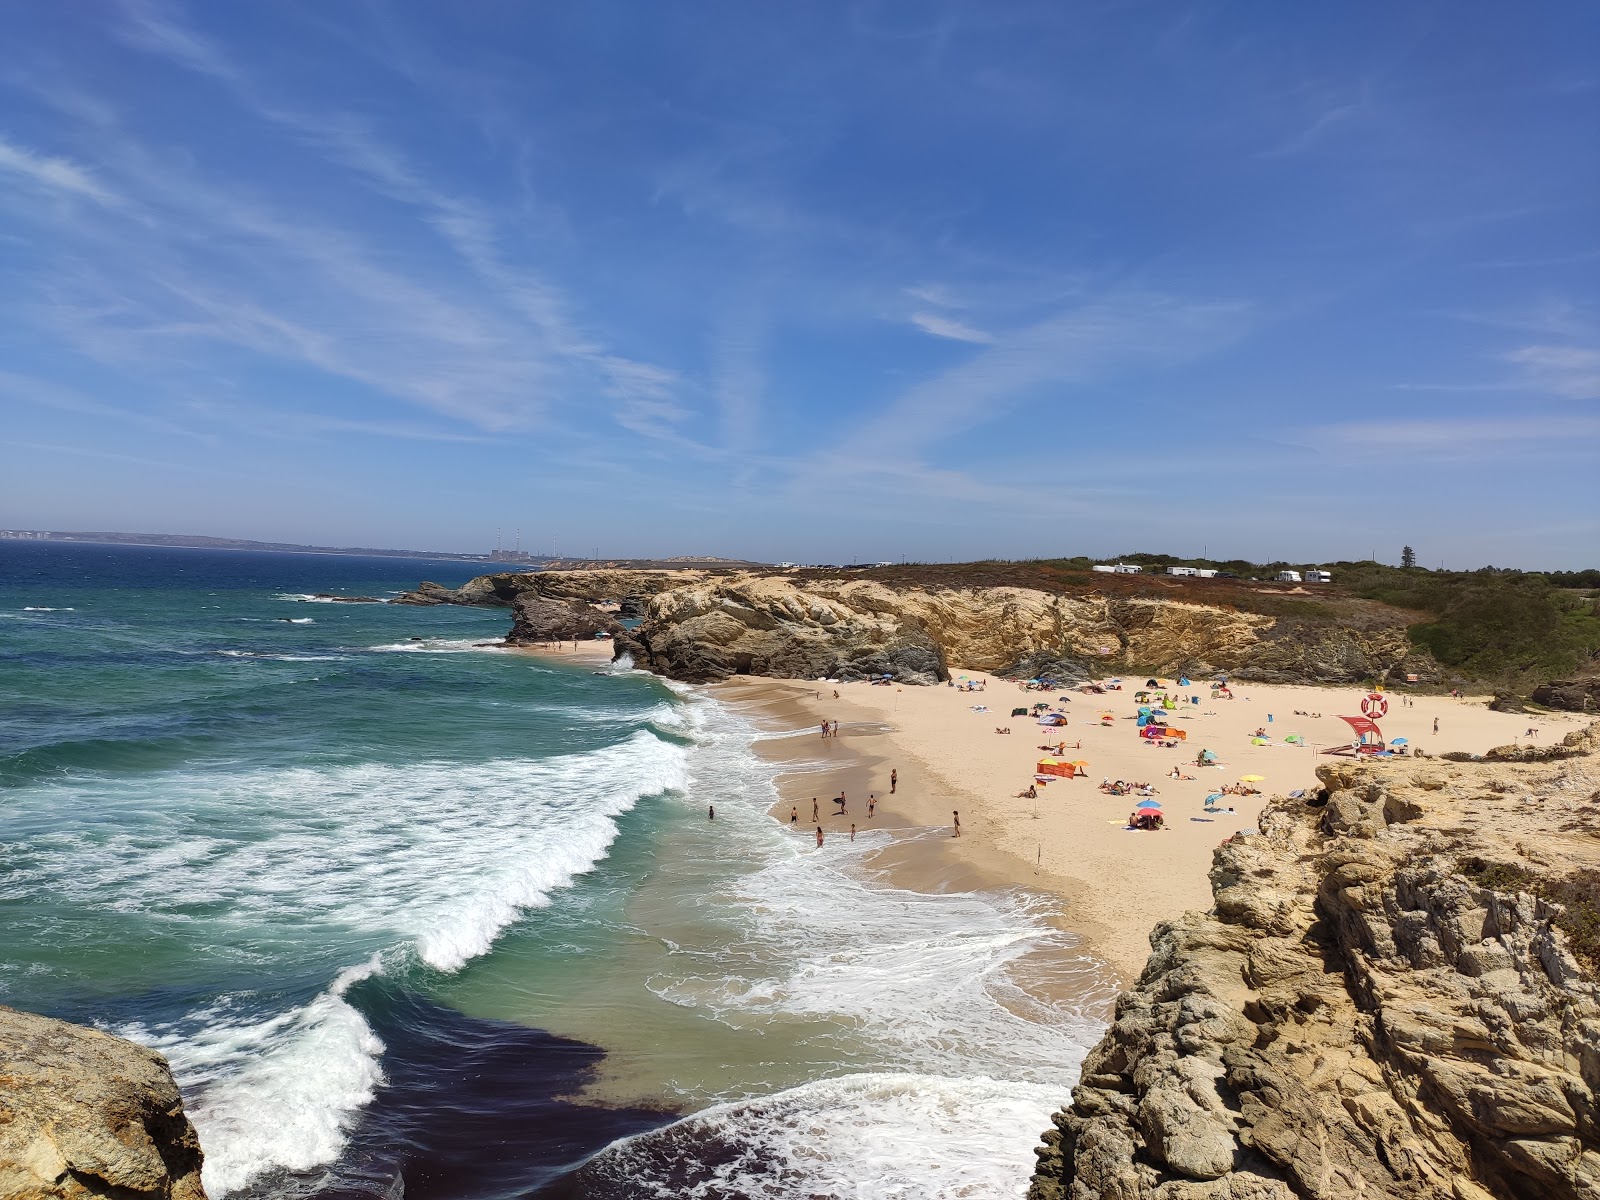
{"x": 84, "y": 1114}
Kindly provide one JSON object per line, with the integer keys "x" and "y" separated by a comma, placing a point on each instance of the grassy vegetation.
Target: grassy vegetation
{"x": 1578, "y": 893}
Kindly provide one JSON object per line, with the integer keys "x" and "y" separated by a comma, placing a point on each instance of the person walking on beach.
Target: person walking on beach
{"x": 711, "y": 812}
{"x": 956, "y": 816}
{"x": 839, "y": 800}
{"x": 824, "y": 729}
{"x": 819, "y": 837}
{"x": 1436, "y": 724}
{"x": 894, "y": 780}
{"x": 835, "y": 732}
{"x": 814, "y": 816}
{"x": 794, "y": 814}
{"x": 872, "y": 805}
{"x": 852, "y": 831}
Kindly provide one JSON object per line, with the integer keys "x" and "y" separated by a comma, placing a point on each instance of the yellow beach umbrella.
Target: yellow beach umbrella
{"x": 1251, "y": 778}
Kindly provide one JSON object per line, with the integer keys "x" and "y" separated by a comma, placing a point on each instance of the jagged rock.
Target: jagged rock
{"x": 499, "y": 590}
{"x": 85, "y": 1114}
{"x": 1359, "y": 1016}
{"x": 539, "y": 619}
{"x": 1575, "y": 695}
{"x": 701, "y": 627}
{"x": 1044, "y": 665}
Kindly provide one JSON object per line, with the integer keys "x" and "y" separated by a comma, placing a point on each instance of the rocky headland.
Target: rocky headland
{"x": 701, "y": 627}
{"x": 1394, "y": 995}
{"x": 84, "y": 1114}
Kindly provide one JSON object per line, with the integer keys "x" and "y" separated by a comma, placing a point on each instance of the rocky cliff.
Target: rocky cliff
{"x": 700, "y": 628}
{"x": 85, "y": 1114}
{"x": 1394, "y": 996}
{"x": 774, "y": 625}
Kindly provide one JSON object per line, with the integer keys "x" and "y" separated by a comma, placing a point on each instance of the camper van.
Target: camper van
{"x": 1181, "y": 571}
{"x": 1128, "y": 568}
{"x": 1205, "y": 573}
{"x": 1318, "y": 577}
{"x": 1105, "y": 568}
{"x": 1288, "y": 577}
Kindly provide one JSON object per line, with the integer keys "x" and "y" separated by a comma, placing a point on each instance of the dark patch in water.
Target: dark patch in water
{"x": 471, "y": 1109}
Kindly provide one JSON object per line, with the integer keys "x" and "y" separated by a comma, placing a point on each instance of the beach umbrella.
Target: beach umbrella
{"x": 1078, "y": 762}
{"x": 1251, "y": 778}
{"x": 1399, "y": 741}
{"x": 1213, "y": 796}
{"x": 1148, "y": 804}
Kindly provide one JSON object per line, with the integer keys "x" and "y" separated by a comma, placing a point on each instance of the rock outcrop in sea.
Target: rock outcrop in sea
{"x": 701, "y": 627}
{"x": 84, "y": 1114}
{"x": 1394, "y": 997}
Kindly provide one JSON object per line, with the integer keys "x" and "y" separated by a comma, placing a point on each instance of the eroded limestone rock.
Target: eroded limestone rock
{"x": 1360, "y": 1015}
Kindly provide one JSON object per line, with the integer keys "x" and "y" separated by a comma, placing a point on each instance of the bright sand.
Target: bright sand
{"x": 1073, "y": 840}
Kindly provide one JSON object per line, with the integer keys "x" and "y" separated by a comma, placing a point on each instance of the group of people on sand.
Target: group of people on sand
{"x": 1124, "y": 787}
{"x": 830, "y": 729}
{"x": 844, "y": 805}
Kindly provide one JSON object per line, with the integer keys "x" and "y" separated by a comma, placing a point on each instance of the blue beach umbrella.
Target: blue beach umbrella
{"x": 1147, "y": 804}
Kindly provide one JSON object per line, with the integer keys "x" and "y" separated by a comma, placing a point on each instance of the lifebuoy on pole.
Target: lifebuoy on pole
{"x": 1374, "y": 706}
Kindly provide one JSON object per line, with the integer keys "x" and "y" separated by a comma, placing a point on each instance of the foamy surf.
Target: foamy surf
{"x": 877, "y": 1136}
{"x": 436, "y": 645}
{"x": 429, "y": 861}
{"x": 280, "y": 1093}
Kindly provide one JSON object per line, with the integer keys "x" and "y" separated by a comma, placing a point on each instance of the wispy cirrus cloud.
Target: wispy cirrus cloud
{"x": 1450, "y": 438}
{"x": 948, "y": 327}
{"x": 1070, "y": 347}
{"x": 54, "y": 174}
{"x": 646, "y": 393}
{"x": 1571, "y": 371}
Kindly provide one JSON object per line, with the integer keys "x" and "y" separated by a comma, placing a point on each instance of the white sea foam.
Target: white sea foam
{"x": 282, "y": 1092}
{"x": 42, "y": 608}
{"x": 858, "y": 1137}
{"x": 973, "y": 1008}
{"x": 432, "y": 860}
{"x": 440, "y": 646}
{"x": 284, "y": 657}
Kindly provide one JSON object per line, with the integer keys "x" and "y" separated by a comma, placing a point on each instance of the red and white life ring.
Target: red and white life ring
{"x": 1375, "y": 706}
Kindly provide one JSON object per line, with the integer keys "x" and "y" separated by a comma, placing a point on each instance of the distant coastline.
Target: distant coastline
{"x": 201, "y": 542}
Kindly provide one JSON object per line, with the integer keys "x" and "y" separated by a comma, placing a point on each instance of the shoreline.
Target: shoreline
{"x": 1072, "y": 841}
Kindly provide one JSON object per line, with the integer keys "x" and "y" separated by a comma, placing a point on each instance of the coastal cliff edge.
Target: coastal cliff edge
{"x": 1393, "y": 996}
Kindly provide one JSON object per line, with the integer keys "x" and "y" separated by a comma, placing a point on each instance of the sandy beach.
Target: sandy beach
{"x": 1073, "y": 839}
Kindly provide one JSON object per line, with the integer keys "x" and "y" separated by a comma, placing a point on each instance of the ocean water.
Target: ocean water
{"x": 411, "y": 915}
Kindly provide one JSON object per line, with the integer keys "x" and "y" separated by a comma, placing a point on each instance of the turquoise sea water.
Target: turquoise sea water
{"x": 413, "y": 915}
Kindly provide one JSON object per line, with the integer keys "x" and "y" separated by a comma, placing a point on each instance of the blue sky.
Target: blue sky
{"x": 818, "y": 281}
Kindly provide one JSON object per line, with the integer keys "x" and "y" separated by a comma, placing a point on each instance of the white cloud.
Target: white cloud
{"x": 946, "y": 328}
{"x": 1571, "y": 371}
{"x": 1472, "y": 439}
{"x": 1072, "y": 346}
{"x": 57, "y": 174}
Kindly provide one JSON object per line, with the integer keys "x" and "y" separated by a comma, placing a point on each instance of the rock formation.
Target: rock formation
{"x": 701, "y": 627}
{"x": 498, "y": 591}
{"x": 85, "y": 1114}
{"x": 852, "y": 628}
{"x": 1394, "y": 997}
{"x": 1581, "y": 694}
{"x": 537, "y": 619}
